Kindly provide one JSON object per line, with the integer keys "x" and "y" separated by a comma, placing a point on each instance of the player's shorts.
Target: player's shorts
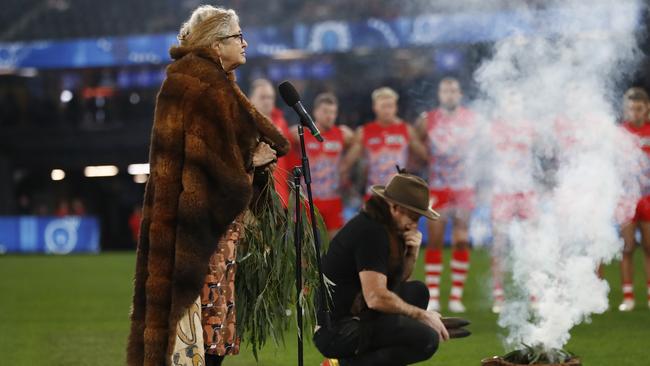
{"x": 507, "y": 207}
{"x": 642, "y": 211}
{"x": 447, "y": 198}
{"x": 630, "y": 211}
{"x": 332, "y": 212}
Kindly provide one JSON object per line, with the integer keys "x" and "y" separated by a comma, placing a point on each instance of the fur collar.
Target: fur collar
{"x": 201, "y": 62}
{"x": 178, "y": 52}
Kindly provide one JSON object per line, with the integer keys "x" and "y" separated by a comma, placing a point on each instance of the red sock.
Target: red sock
{"x": 459, "y": 268}
{"x": 628, "y": 291}
{"x": 498, "y": 294}
{"x": 433, "y": 270}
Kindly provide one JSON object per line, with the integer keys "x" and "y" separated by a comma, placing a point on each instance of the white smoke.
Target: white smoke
{"x": 553, "y": 92}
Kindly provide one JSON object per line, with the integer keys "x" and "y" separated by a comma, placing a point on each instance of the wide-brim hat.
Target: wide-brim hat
{"x": 408, "y": 191}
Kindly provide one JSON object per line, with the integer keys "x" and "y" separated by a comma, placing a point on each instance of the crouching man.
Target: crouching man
{"x": 379, "y": 317}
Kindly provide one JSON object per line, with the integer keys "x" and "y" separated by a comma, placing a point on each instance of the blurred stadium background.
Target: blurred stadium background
{"x": 78, "y": 81}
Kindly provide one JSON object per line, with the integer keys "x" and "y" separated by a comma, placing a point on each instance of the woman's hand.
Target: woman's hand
{"x": 263, "y": 155}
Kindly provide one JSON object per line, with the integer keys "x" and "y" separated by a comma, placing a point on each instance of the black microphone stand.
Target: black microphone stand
{"x": 297, "y": 240}
{"x": 305, "y": 172}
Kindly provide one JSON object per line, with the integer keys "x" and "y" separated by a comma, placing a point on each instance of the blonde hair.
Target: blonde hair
{"x": 384, "y": 92}
{"x": 206, "y": 25}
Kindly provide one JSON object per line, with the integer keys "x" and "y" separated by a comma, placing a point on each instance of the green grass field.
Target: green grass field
{"x": 74, "y": 311}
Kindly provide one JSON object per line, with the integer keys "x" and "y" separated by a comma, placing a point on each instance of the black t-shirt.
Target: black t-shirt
{"x": 361, "y": 245}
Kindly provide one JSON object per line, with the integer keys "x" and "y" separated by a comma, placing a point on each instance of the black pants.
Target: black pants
{"x": 396, "y": 340}
{"x": 213, "y": 360}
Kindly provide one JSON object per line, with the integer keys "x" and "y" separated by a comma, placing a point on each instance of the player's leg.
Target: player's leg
{"x": 644, "y": 226}
{"x": 628, "y": 232}
{"x": 499, "y": 245}
{"x": 433, "y": 259}
{"x": 433, "y": 255}
{"x": 460, "y": 259}
{"x": 433, "y": 265}
{"x": 643, "y": 223}
{"x": 502, "y": 214}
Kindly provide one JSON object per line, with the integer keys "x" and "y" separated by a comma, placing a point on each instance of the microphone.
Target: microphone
{"x": 291, "y": 97}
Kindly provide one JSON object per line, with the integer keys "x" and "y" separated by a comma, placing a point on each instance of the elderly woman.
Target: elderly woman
{"x": 207, "y": 146}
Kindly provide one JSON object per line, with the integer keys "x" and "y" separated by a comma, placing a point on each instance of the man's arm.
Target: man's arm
{"x": 409, "y": 263}
{"x": 413, "y": 240}
{"x": 379, "y": 298}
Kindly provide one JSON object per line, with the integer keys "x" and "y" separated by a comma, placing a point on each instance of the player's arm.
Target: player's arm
{"x": 348, "y": 136}
{"x": 353, "y": 154}
{"x": 416, "y": 145}
{"x": 421, "y": 127}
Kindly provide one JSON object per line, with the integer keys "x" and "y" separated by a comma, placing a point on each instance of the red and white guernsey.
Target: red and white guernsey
{"x": 324, "y": 160}
{"x": 385, "y": 146}
{"x": 643, "y": 135}
{"x": 449, "y": 137}
{"x": 513, "y": 155}
{"x": 513, "y": 194}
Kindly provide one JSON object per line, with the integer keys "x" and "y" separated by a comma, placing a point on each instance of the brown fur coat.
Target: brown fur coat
{"x": 204, "y": 134}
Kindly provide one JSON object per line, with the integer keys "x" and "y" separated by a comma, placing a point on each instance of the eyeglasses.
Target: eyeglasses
{"x": 239, "y": 35}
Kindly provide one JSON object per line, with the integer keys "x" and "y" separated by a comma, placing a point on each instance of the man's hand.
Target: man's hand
{"x": 456, "y": 327}
{"x": 413, "y": 239}
{"x": 263, "y": 154}
{"x": 432, "y": 319}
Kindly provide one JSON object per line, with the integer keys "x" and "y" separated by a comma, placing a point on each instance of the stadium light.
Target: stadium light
{"x": 100, "y": 171}
{"x": 290, "y": 55}
{"x": 57, "y": 174}
{"x": 66, "y": 96}
{"x": 134, "y": 98}
{"x": 140, "y": 178}
{"x": 138, "y": 169}
{"x": 28, "y": 72}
